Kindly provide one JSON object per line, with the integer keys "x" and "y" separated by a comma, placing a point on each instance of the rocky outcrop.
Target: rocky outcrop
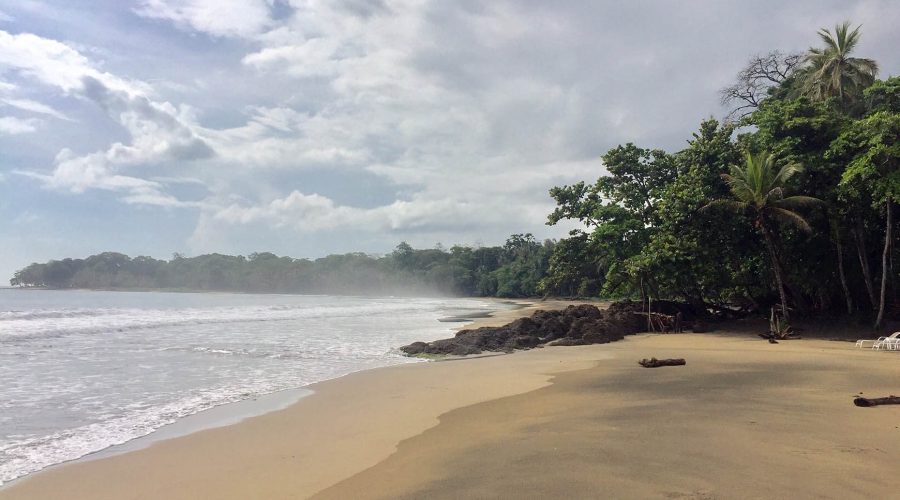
{"x": 574, "y": 325}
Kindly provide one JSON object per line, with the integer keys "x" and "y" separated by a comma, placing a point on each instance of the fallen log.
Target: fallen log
{"x": 654, "y": 363}
{"x": 867, "y": 402}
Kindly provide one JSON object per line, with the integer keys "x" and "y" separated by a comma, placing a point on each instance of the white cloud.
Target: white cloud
{"x": 6, "y": 18}
{"x": 13, "y": 126}
{"x": 158, "y": 134}
{"x": 241, "y": 18}
{"x": 33, "y": 107}
{"x": 158, "y": 131}
{"x": 55, "y": 64}
{"x": 94, "y": 171}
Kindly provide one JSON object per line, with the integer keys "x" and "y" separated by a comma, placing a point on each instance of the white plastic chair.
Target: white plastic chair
{"x": 890, "y": 343}
{"x": 879, "y": 340}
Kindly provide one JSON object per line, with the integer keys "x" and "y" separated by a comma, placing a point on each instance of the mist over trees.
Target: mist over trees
{"x": 511, "y": 270}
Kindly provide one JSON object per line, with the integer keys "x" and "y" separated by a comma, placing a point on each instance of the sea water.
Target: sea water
{"x": 81, "y": 371}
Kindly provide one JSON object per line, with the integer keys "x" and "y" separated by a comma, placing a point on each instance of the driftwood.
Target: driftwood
{"x": 771, "y": 337}
{"x": 654, "y": 363}
{"x": 866, "y": 402}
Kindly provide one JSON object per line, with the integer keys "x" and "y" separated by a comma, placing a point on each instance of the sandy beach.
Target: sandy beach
{"x": 743, "y": 419}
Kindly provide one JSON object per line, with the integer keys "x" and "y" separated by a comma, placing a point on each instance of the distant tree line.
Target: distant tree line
{"x": 512, "y": 270}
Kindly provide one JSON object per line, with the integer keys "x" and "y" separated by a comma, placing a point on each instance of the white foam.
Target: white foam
{"x": 76, "y": 379}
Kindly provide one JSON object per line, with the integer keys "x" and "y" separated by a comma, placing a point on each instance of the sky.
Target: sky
{"x": 309, "y": 127}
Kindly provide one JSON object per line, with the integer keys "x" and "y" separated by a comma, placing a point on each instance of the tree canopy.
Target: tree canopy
{"x": 515, "y": 269}
{"x": 816, "y": 232}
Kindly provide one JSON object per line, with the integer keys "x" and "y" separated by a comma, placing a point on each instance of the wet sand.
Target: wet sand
{"x": 743, "y": 419}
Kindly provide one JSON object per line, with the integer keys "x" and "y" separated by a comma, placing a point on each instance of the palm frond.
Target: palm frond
{"x": 831, "y": 70}
{"x": 827, "y": 39}
{"x": 740, "y": 188}
{"x": 733, "y": 206}
{"x": 786, "y": 172}
{"x": 798, "y": 201}
{"x": 789, "y": 217}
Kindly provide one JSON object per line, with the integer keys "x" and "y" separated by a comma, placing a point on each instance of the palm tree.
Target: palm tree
{"x": 831, "y": 72}
{"x": 757, "y": 189}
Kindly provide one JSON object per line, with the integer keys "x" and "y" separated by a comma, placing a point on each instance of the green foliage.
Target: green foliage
{"x": 645, "y": 233}
{"x": 620, "y": 209}
{"x": 513, "y": 270}
{"x": 833, "y": 73}
{"x": 873, "y": 145}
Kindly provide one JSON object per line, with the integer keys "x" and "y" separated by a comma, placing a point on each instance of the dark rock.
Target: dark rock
{"x": 595, "y": 338}
{"x": 526, "y": 341}
{"x": 524, "y": 326}
{"x": 414, "y": 348}
{"x": 574, "y": 325}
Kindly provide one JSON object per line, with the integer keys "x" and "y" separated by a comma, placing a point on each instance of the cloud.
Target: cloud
{"x": 55, "y": 64}
{"x": 33, "y": 107}
{"x": 13, "y": 126}
{"x": 446, "y": 204}
{"x": 158, "y": 131}
{"x": 158, "y": 134}
{"x": 225, "y": 18}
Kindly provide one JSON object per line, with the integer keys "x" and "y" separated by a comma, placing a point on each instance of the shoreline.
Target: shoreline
{"x": 234, "y": 413}
{"x": 90, "y": 478}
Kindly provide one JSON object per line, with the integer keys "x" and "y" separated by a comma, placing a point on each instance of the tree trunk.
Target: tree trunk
{"x": 869, "y": 402}
{"x": 843, "y": 276}
{"x": 864, "y": 262}
{"x": 776, "y": 267}
{"x": 885, "y": 256}
{"x": 656, "y": 363}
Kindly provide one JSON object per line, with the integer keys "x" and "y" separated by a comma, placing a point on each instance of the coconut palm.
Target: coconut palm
{"x": 757, "y": 190}
{"x": 831, "y": 72}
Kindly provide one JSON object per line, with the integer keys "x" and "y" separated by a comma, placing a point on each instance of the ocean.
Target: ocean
{"x": 82, "y": 371}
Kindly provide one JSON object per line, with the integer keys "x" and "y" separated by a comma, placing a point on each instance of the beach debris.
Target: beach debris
{"x": 659, "y": 322}
{"x": 655, "y": 363}
{"x": 768, "y": 336}
{"x": 779, "y": 328}
{"x": 868, "y": 402}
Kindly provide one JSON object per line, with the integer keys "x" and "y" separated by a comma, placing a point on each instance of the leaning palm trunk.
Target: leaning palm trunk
{"x": 757, "y": 189}
{"x": 885, "y": 265}
{"x": 776, "y": 268}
